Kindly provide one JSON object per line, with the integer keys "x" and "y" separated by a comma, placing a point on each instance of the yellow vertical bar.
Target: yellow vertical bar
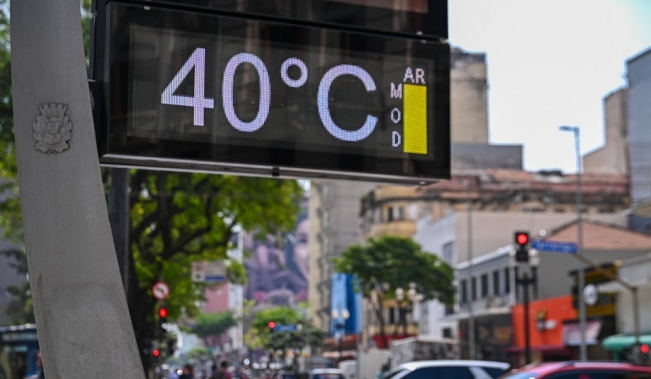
{"x": 415, "y": 119}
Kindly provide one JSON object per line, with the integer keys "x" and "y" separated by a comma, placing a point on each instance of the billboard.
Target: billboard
{"x": 278, "y": 268}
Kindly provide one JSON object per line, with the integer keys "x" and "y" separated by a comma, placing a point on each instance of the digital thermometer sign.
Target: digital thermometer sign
{"x": 196, "y": 91}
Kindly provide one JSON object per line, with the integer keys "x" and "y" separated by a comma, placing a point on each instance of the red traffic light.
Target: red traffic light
{"x": 272, "y": 325}
{"x": 644, "y": 349}
{"x": 155, "y": 352}
{"x": 162, "y": 312}
{"x": 521, "y": 238}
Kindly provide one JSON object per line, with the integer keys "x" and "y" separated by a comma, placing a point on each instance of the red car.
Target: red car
{"x": 581, "y": 370}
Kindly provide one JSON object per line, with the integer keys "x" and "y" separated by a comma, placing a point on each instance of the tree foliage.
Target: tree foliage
{"x": 214, "y": 324}
{"x": 260, "y": 336}
{"x": 386, "y": 264}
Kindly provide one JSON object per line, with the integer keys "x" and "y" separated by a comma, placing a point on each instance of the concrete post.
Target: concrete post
{"x": 84, "y": 327}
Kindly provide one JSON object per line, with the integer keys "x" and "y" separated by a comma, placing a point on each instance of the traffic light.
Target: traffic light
{"x": 162, "y": 313}
{"x": 155, "y": 353}
{"x": 271, "y": 325}
{"x": 522, "y": 247}
{"x": 644, "y": 349}
{"x": 171, "y": 347}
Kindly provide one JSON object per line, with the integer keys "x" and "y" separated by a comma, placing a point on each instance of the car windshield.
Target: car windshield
{"x": 328, "y": 376}
{"x": 393, "y": 373}
{"x": 520, "y": 375}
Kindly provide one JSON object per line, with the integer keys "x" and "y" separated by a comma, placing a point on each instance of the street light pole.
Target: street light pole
{"x": 583, "y": 352}
{"x": 471, "y": 315}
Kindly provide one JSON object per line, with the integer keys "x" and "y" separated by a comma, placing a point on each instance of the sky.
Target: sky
{"x": 550, "y": 63}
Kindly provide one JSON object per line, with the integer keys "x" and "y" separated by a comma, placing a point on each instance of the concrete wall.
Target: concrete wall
{"x": 612, "y": 157}
{"x": 639, "y": 125}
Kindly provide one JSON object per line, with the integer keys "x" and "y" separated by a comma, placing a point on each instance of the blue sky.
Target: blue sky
{"x": 550, "y": 63}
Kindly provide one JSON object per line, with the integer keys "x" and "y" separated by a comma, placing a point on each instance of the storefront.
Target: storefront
{"x": 547, "y": 319}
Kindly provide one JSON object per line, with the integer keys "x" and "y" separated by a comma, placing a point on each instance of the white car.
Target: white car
{"x": 448, "y": 370}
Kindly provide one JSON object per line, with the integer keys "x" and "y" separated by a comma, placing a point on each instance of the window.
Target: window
{"x": 455, "y": 372}
{"x": 507, "y": 281}
{"x": 464, "y": 291}
{"x": 448, "y": 253}
{"x": 473, "y": 289}
{"x": 401, "y": 213}
{"x": 425, "y": 373}
{"x": 496, "y": 283}
{"x": 393, "y": 373}
{"x": 447, "y": 333}
{"x": 392, "y": 316}
{"x": 494, "y": 372}
{"x": 484, "y": 285}
{"x": 390, "y": 214}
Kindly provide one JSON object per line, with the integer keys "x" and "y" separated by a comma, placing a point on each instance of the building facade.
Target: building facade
{"x": 612, "y": 158}
{"x": 333, "y": 227}
{"x": 639, "y": 125}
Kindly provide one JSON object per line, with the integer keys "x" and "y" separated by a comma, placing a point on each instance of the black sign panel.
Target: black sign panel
{"x": 416, "y": 17}
{"x": 198, "y": 91}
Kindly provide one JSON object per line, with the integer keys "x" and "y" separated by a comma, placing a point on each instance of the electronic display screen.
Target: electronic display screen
{"x": 298, "y": 100}
{"x": 417, "y": 17}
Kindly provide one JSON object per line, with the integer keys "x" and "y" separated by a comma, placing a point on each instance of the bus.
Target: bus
{"x": 18, "y": 349}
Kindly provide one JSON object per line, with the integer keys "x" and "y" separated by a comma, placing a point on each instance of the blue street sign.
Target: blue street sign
{"x": 554, "y": 246}
{"x": 285, "y": 328}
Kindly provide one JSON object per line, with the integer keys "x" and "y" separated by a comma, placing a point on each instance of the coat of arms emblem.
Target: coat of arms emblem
{"x": 52, "y": 129}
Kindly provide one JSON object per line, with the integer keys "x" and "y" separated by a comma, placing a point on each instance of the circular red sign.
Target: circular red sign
{"x": 160, "y": 291}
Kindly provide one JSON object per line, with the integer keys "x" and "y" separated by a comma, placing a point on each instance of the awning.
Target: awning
{"x": 620, "y": 342}
{"x": 572, "y": 333}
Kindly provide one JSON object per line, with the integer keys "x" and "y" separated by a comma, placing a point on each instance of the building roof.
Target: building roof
{"x": 511, "y": 179}
{"x": 601, "y": 236}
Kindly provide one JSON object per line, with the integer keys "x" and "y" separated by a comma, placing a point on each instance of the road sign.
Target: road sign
{"x": 554, "y": 246}
{"x": 590, "y": 294}
{"x": 207, "y": 271}
{"x": 223, "y": 93}
{"x": 160, "y": 291}
{"x": 285, "y": 328}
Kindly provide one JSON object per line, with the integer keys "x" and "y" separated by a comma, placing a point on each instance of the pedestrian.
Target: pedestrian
{"x": 188, "y": 372}
{"x": 221, "y": 372}
{"x": 39, "y": 364}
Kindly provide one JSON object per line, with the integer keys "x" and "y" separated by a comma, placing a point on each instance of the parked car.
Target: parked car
{"x": 448, "y": 369}
{"x": 581, "y": 370}
{"x": 327, "y": 373}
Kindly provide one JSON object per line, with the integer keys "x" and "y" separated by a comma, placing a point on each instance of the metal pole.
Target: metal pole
{"x": 636, "y": 322}
{"x": 84, "y": 327}
{"x": 119, "y": 217}
{"x": 579, "y": 230}
{"x": 527, "y": 337}
{"x": 471, "y": 316}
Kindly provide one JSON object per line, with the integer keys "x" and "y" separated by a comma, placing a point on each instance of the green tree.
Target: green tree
{"x": 214, "y": 324}
{"x": 391, "y": 263}
{"x": 260, "y": 336}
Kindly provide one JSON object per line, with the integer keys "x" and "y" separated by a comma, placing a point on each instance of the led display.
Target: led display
{"x": 217, "y": 92}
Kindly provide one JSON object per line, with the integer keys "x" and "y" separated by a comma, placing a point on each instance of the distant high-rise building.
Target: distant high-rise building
{"x": 639, "y": 125}
{"x": 468, "y": 97}
{"x": 612, "y": 158}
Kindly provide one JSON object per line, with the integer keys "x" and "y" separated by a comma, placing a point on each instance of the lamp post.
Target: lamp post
{"x": 340, "y": 318}
{"x": 583, "y": 352}
{"x": 471, "y": 315}
{"x": 412, "y": 297}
